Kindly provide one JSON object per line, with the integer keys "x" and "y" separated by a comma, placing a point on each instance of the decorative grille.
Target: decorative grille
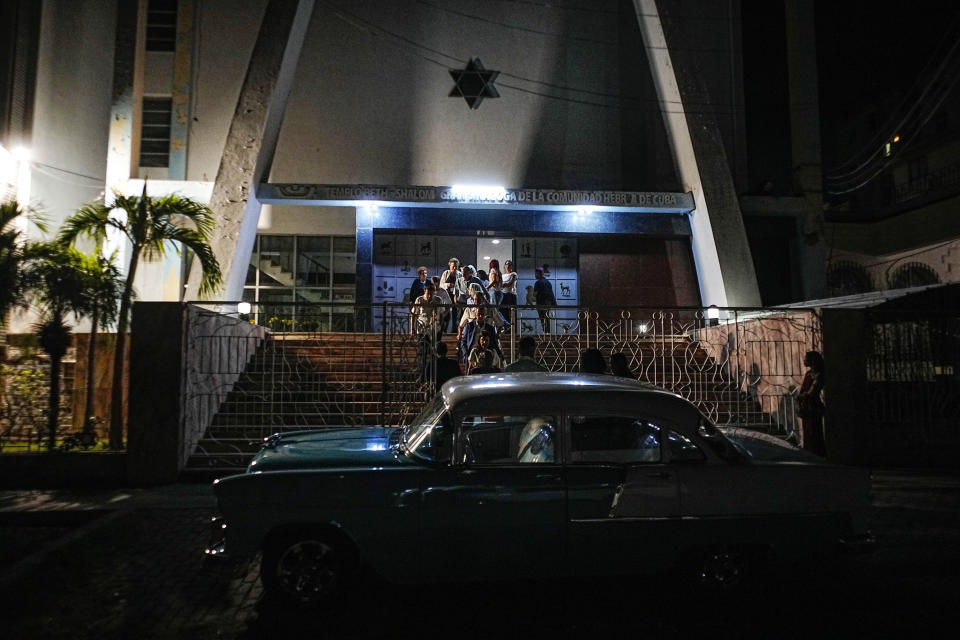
{"x": 740, "y": 369}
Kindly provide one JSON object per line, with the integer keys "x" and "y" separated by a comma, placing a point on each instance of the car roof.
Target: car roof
{"x": 466, "y": 388}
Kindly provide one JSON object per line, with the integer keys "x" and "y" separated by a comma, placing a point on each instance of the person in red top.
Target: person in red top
{"x": 810, "y": 407}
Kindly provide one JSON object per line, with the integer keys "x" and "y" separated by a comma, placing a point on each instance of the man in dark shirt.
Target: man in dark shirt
{"x": 446, "y": 367}
{"x": 526, "y": 361}
{"x": 545, "y": 298}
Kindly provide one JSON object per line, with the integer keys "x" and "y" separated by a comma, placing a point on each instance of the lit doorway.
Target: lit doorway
{"x": 499, "y": 249}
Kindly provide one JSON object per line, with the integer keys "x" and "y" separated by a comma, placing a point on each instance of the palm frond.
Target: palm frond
{"x": 11, "y": 210}
{"x": 53, "y": 276}
{"x": 102, "y": 288}
{"x": 210, "y": 267}
{"x": 92, "y": 221}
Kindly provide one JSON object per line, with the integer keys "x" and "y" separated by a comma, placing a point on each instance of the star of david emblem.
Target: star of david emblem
{"x": 474, "y": 83}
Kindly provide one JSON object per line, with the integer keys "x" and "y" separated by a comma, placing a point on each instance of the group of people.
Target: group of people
{"x": 592, "y": 361}
{"x": 477, "y": 305}
{"x": 484, "y": 358}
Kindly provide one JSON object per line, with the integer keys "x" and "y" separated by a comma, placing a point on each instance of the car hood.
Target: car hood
{"x": 762, "y": 447}
{"x": 322, "y": 448}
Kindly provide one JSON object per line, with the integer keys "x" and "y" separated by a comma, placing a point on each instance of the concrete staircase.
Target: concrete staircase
{"x": 307, "y": 381}
{"x": 319, "y": 380}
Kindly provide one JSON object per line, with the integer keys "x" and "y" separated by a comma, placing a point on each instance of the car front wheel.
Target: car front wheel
{"x": 304, "y": 569}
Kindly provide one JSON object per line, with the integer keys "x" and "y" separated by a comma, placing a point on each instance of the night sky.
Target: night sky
{"x": 867, "y": 52}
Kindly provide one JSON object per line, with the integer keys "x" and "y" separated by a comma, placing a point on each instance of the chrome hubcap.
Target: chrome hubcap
{"x": 721, "y": 570}
{"x": 307, "y": 570}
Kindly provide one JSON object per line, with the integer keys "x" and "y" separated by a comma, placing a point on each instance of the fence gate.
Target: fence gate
{"x": 913, "y": 380}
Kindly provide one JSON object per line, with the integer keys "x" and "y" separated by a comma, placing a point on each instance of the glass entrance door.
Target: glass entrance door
{"x": 499, "y": 249}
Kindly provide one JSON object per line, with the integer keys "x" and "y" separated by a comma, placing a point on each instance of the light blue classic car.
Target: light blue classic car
{"x": 601, "y": 475}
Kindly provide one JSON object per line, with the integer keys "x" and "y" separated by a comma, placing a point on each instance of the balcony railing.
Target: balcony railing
{"x": 930, "y": 182}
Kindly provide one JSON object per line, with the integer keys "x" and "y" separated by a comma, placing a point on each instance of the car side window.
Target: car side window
{"x": 615, "y": 439}
{"x": 682, "y": 448}
{"x": 501, "y": 439}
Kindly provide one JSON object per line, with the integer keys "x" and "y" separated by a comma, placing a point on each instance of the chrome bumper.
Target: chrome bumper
{"x": 217, "y": 548}
{"x": 856, "y": 544}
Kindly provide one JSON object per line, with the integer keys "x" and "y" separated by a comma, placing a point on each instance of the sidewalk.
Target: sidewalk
{"x": 118, "y": 563}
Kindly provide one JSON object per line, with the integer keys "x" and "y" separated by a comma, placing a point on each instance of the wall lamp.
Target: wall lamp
{"x": 713, "y": 315}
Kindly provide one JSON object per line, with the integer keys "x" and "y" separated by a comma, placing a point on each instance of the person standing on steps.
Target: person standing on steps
{"x": 545, "y": 299}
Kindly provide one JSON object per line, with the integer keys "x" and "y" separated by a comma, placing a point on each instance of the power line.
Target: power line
{"x": 906, "y": 127}
{"x": 515, "y": 27}
{"x": 904, "y": 146}
{"x": 562, "y": 36}
{"x": 559, "y": 7}
{"x": 38, "y": 169}
{"x": 73, "y": 173}
{"x": 416, "y": 47}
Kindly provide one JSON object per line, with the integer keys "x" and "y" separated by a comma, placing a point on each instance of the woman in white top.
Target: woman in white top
{"x": 450, "y": 282}
{"x": 508, "y": 284}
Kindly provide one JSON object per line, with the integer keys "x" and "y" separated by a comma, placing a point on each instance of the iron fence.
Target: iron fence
{"x": 245, "y": 381}
{"x": 24, "y": 394}
{"x": 913, "y": 378}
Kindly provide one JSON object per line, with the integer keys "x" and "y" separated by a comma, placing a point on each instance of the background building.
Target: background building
{"x": 584, "y": 107}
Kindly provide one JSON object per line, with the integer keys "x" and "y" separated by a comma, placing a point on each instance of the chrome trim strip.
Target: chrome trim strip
{"x": 710, "y": 517}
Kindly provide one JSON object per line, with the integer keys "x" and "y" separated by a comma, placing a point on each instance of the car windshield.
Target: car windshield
{"x": 421, "y": 438}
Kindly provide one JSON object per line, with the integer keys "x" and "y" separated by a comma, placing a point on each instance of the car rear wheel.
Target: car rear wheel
{"x": 304, "y": 568}
{"x": 720, "y": 570}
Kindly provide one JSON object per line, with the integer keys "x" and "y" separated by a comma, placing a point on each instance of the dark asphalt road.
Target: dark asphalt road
{"x": 136, "y": 572}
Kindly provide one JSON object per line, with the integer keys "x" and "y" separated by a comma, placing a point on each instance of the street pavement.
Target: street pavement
{"x": 128, "y": 563}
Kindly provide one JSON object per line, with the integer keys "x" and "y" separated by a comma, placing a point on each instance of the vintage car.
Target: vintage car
{"x": 602, "y": 475}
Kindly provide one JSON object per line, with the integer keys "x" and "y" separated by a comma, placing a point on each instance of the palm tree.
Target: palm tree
{"x": 102, "y": 287}
{"x": 53, "y": 277}
{"x": 12, "y": 259}
{"x": 150, "y": 224}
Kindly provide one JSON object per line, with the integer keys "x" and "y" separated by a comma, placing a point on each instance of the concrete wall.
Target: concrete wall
{"x": 370, "y": 102}
{"x": 910, "y": 230}
{"x": 154, "y": 438}
{"x": 217, "y": 350}
{"x": 71, "y": 116}
{"x": 227, "y": 30}
{"x": 844, "y": 352}
{"x": 764, "y": 355}
{"x": 368, "y": 107}
{"x": 282, "y": 219}
{"x": 183, "y": 362}
{"x": 68, "y": 149}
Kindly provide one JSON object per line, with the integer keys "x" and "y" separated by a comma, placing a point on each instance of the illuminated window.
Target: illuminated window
{"x": 303, "y": 282}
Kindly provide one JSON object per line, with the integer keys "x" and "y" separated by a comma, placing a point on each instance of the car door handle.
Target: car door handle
{"x": 659, "y": 474}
